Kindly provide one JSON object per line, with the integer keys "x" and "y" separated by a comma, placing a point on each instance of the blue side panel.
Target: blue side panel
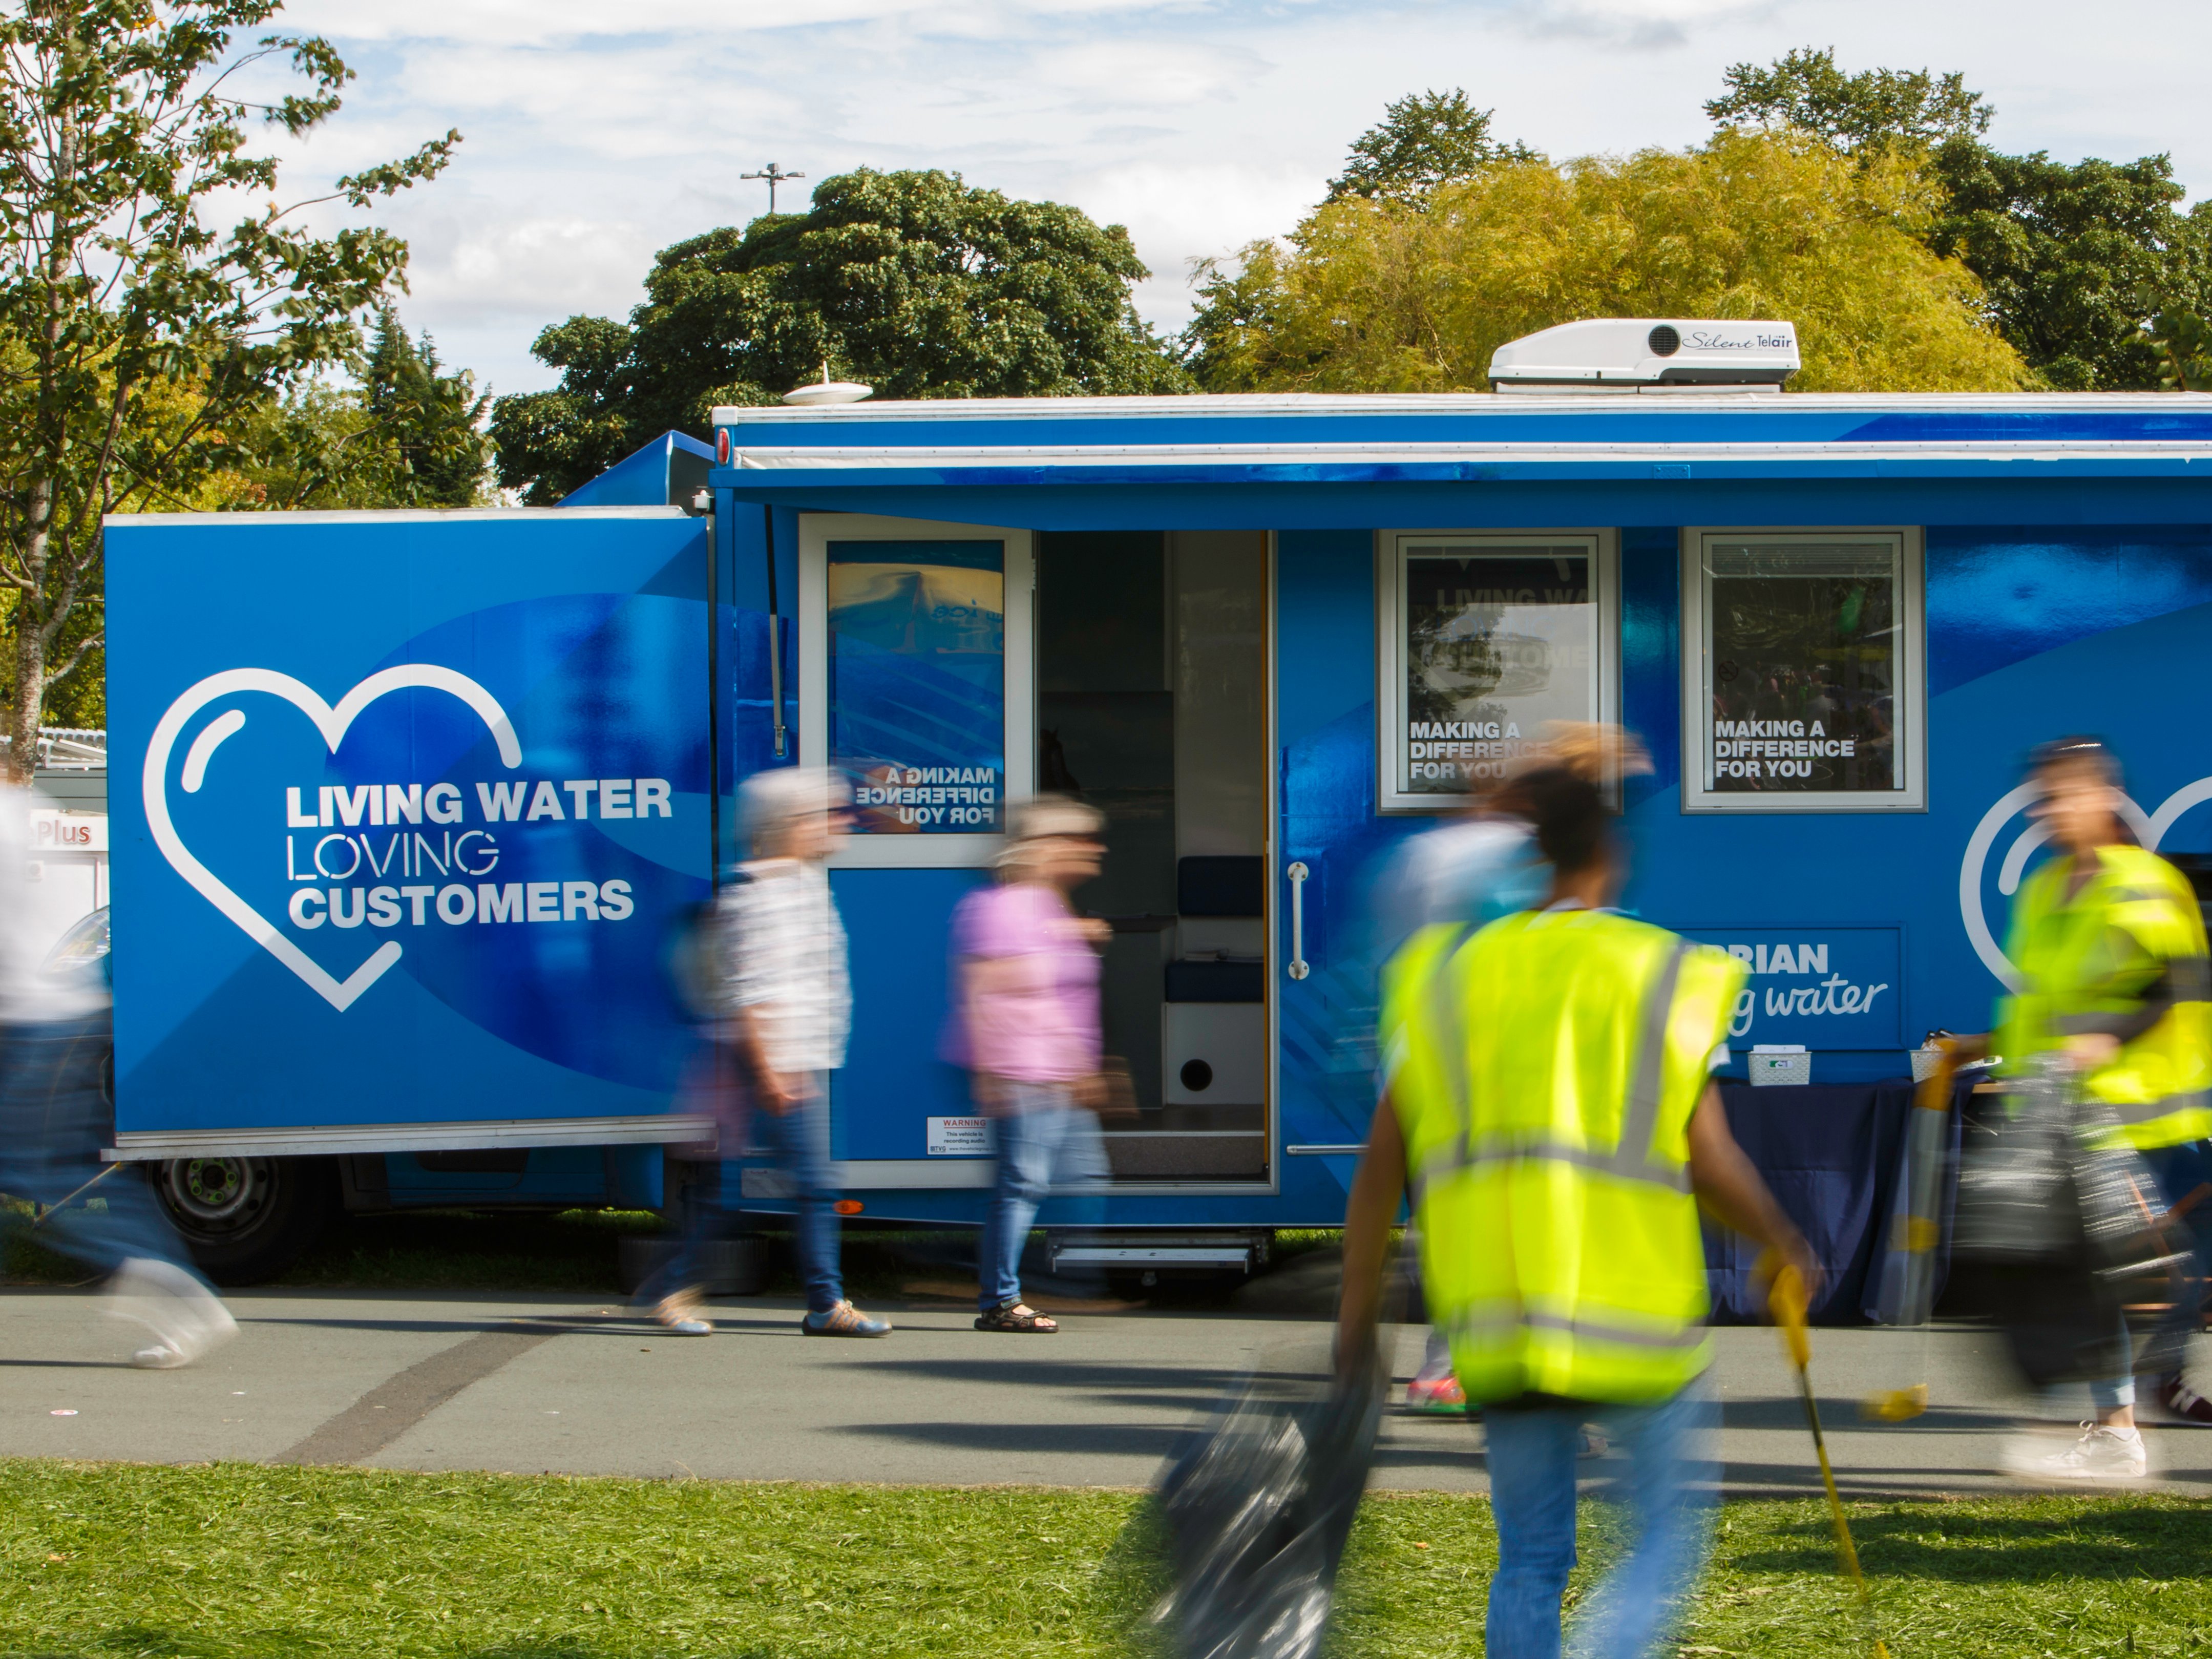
{"x": 1139, "y": 501}
{"x": 1651, "y": 651}
{"x": 743, "y": 592}
{"x": 2031, "y": 633}
{"x": 1999, "y": 596}
{"x": 899, "y": 923}
{"x": 1818, "y": 424}
{"x": 1325, "y": 717}
{"x": 651, "y": 476}
{"x": 421, "y": 798}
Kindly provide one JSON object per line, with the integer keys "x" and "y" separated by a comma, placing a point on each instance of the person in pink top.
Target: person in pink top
{"x": 1026, "y": 1026}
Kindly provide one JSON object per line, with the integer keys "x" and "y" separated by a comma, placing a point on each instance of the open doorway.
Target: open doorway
{"x": 1151, "y": 673}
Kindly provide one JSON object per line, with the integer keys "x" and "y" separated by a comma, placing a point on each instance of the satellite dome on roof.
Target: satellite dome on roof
{"x": 826, "y": 391}
{"x": 1640, "y": 354}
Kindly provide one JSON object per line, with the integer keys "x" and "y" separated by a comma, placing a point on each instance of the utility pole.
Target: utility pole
{"x": 775, "y": 175}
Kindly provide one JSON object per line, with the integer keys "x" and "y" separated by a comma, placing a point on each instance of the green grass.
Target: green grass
{"x": 238, "y": 1562}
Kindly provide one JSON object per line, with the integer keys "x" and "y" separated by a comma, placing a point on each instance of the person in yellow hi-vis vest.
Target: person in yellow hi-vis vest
{"x": 1548, "y": 1097}
{"x": 2109, "y": 946}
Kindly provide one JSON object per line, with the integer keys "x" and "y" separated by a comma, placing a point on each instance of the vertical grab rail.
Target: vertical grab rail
{"x": 1298, "y": 872}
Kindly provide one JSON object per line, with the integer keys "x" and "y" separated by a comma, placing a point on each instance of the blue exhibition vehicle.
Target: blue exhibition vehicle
{"x": 417, "y": 799}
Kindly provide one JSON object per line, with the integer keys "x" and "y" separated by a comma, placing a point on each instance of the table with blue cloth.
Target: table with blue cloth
{"x": 1834, "y": 1158}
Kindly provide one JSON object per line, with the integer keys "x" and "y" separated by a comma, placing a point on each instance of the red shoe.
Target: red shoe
{"x": 1441, "y": 1396}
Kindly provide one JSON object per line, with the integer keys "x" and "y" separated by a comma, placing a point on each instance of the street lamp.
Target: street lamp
{"x": 775, "y": 175}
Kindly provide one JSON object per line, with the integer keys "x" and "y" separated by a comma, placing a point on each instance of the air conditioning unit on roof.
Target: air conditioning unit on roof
{"x": 1648, "y": 353}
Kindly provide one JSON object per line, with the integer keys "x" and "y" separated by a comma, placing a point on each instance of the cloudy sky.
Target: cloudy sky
{"x": 599, "y": 130}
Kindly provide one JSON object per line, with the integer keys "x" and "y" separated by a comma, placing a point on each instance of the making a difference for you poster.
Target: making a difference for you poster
{"x": 415, "y": 804}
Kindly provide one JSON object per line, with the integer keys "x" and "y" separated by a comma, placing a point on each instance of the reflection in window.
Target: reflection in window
{"x": 917, "y": 671}
{"x": 1801, "y": 665}
{"x": 1499, "y": 640}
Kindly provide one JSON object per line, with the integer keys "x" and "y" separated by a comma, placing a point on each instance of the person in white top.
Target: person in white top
{"x": 56, "y": 1119}
{"x": 787, "y": 1009}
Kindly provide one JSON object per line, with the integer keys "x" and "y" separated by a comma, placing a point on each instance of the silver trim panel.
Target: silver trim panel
{"x": 142, "y": 1146}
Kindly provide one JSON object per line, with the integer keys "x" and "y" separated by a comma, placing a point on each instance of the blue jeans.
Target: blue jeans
{"x": 2171, "y": 1168}
{"x": 800, "y": 1142}
{"x": 1046, "y": 1144}
{"x": 54, "y": 1120}
{"x": 1669, "y": 1490}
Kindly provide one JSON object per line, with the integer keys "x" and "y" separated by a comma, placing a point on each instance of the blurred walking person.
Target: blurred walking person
{"x": 56, "y": 1117}
{"x": 2109, "y": 949}
{"x": 1549, "y": 1098}
{"x": 1470, "y": 870}
{"x": 787, "y": 1004}
{"x": 1026, "y": 1026}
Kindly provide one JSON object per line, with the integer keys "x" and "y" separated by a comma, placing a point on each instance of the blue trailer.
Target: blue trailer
{"x": 1270, "y": 637}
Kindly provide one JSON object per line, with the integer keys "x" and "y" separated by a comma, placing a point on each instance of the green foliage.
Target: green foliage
{"x": 1373, "y": 296}
{"x": 2076, "y": 259}
{"x": 431, "y": 422}
{"x": 1875, "y": 108}
{"x": 139, "y": 330}
{"x": 1423, "y": 140}
{"x": 408, "y": 432}
{"x": 914, "y": 283}
{"x": 2186, "y": 341}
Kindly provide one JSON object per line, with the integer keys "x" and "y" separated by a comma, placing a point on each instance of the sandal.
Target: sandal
{"x": 1016, "y": 1316}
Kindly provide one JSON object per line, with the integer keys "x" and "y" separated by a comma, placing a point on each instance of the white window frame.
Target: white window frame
{"x": 1390, "y": 737}
{"x": 816, "y": 532}
{"x": 1910, "y": 697}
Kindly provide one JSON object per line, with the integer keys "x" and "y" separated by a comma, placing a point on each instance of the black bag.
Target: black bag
{"x": 2016, "y": 1201}
{"x": 2066, "y": 1223}
{"x": 1259, "y": 1500}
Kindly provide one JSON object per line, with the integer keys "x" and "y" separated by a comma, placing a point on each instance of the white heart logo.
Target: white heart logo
{"x": 2149, "y": 830}
{"x": 332, "y": 724}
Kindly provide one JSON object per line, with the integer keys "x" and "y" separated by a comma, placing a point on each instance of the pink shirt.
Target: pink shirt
{"x": 1046, "y": 1030}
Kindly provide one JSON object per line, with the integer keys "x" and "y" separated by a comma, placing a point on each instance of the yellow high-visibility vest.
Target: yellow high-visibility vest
{"x": 1544, "y": 1071}
{"x": 2126, "y": 954}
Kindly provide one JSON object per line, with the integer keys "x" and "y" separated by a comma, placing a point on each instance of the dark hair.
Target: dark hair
{"x": 2093, "y": 752}
{"x": 1568, "y": 814}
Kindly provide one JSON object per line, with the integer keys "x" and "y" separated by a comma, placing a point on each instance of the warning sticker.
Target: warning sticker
{"x": 960, "y": 1137}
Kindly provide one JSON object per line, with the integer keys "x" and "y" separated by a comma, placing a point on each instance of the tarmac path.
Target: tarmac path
{"x": 532, "y": 1382}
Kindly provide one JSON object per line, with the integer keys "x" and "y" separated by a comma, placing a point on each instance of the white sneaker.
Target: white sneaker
{"x": 682, "y": 1314}
{"x": 2100, "y": 1453}
{"x": 187, "y": 1319}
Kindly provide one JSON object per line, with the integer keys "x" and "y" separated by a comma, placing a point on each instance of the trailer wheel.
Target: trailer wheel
{"x": 246, "y": 1219}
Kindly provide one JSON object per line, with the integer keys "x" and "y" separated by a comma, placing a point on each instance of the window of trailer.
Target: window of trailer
{"x": 915, "y": 647}
{"x": 1487, "y": 638}
{"x": 1804, "y": 684}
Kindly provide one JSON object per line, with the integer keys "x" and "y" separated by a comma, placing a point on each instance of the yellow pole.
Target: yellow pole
{"x": 1922, "y": 1227}
{"x": 1787, "y": 1298}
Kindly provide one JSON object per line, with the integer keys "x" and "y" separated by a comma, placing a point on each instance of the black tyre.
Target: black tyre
{"x": 246, "y": 1219}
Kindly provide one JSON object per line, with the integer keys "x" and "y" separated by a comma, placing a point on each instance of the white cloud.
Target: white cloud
{"x": 596, "y": 135}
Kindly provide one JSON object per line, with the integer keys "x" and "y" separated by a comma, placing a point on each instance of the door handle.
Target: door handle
{"x": 1298, "y": 872}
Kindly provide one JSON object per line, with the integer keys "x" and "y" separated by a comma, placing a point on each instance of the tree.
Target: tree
{"x": 2074, "y": 259}
{"x": 406, "y": 434}
{"x": 1371, "y": 296}
{"x": 2184, "y": 341}
{"x": 1425, "y": 140}
{"x": 915, "y": 283}
{"x": 1875, "y": 108}
{"x": 137, "y": 331}
{"x": 430, "y": 423}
